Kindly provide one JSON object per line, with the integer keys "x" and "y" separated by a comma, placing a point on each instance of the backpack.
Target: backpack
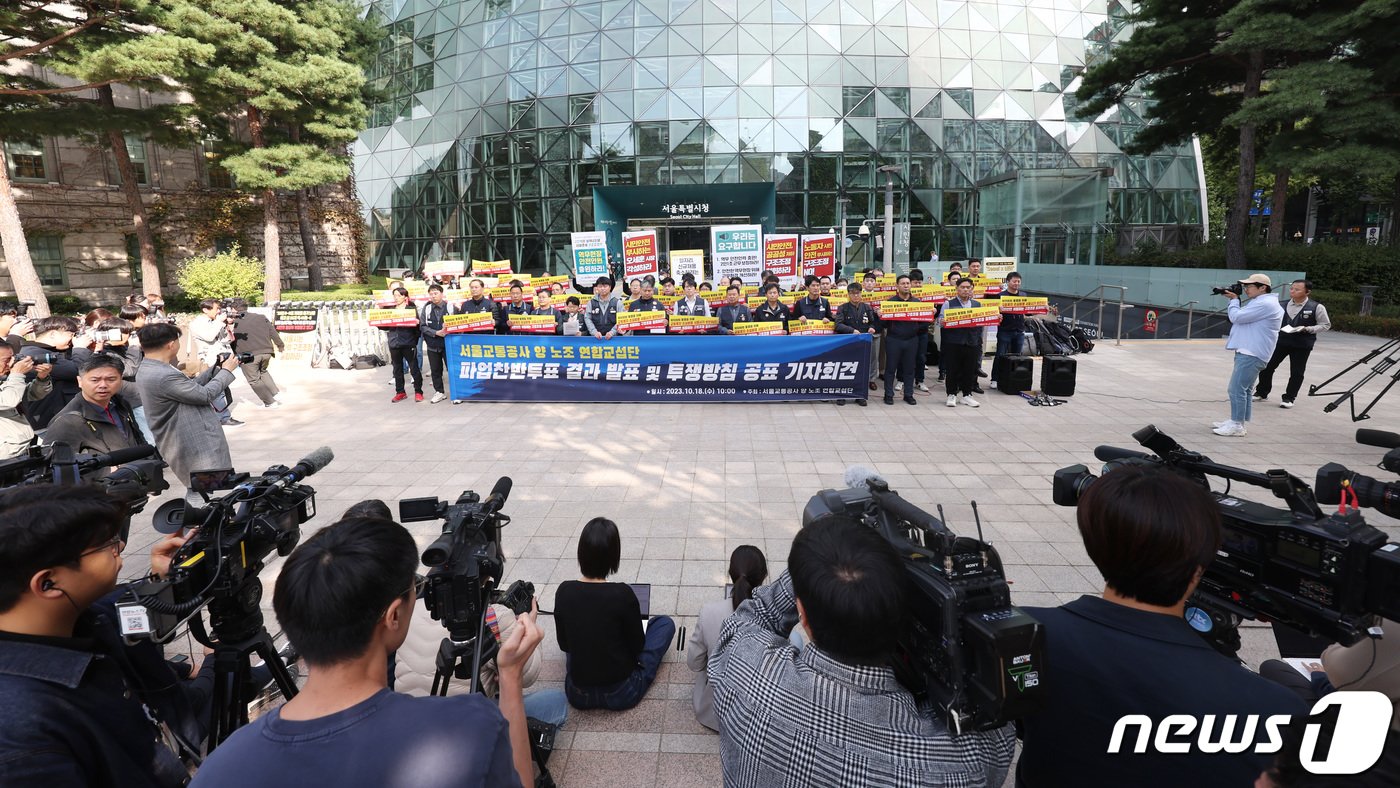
{"x": 367, "y": 361}
{"x": 1065, "y": 342}
{"x": 1085, "y": 344}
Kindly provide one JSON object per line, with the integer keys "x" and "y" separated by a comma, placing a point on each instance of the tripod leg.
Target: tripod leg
{"x": 1364, "y": 414}
{"x": 1317, "y": 390}
{"x": 268, "y": 651}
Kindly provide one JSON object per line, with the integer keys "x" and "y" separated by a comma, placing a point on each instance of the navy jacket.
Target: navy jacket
{"x": 74, "y": 708}
{"x": 1106, "y": 660}
{"x": 963, "y": 336}
{"x": 430, "y": 322}
{"x": 803, "y": 307}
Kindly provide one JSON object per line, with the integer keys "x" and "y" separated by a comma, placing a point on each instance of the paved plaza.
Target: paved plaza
{"x": 688, "y": 483}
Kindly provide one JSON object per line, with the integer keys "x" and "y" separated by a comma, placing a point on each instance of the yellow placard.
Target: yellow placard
{"x": 490, "y": 267}
{"x": 384, "y": 298}
{"x": 770, "y": 328}
{"x": 971, "y": 317}
{"x": 1024, "y": 305}
{"x": 641, "y": 321}
{"x": 452, "y": 268}
{"x": 547, "y": 281}
{"x": 918, "y": 311}
{"x": 501, "y": 295}
{"x": 532, "y": 324}
{"x": 810, "y": 327}
{"x": 393, "y": 318}
{"x": 692, "y": 324}
{"x": 469, "y": 324}
{"x": 787, "y": 299}
{"x": 933, "y": 293}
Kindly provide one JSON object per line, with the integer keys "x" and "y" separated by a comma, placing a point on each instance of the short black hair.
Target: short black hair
{"x": 434, "y": 286}
{"x": 734, "y": 279}
{"x": 55, "y": 323}
{"x": 916, "y": 273}
{"x": 771, "y": 288}
{"x": 955, "y": 267}
{"x": 238, "y": 304}
{"x": 334, "y": 587}
{"x": 572, "y": 300}
{"x": 852, "y": 585}
{"x": 1148, "y": 530}
{"x": 854, "y": 287}
{"x": 666, "y": 280}
{"x": 154, "y": 335}
{"x": 401, "y": 291}
{"x": 735, "y": 288}
{"x": 476, "y": 282}
{"x": 121, "y": 324}
{"x": 103, "y": 360}
{"x": 43, "y": 526}
{"x": 599, "y": 548}
{"x": 1013, "y": 275}
{"x": 8, "y": 308}
{"x": 962, "y": 279}
{"x": 133, "y": 311}
{"x": 809, "y": 280}
{"x": 209, "y": 302}
{"x": 1306, "y": 283}
{"x": 370, "y": 507}
{"x": 900, "y": 278}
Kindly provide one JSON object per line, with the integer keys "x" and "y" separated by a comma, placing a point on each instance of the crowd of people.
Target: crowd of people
{"x": 902, "y": 350}
{"x": 795, "y": 675}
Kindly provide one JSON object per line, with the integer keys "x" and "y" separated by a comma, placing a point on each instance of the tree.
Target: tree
{"x": 282, "y": 66}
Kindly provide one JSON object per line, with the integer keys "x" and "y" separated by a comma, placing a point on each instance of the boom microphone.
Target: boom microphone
{"x": 1111, "y": 453}
{"x": 1378, "y": 438}
{"x": 118, "y": 457}
{"x": 498, "y": 496}
{"x": 861, "y": 476}
{"x": 310, "y": 464}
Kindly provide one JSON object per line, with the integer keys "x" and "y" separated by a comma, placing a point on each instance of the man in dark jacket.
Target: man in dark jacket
{"x": 901, "y": 347}
{"x": 772, "y": 310}
{"x": 962, "y": 348}
{"x": 403, "y": 349}
{"x": 516, "y": 306}
{"x": 255, "y": 334}
{"x": 1012, "y": 331}
{"x": 646, "y": 302}
{"x": 479, "y": 301}
{"x": 53, "y": 341}
{"x": 734, "y": 310}
{"x": 857, "y": 317}
{"x": 81, "y": 706}
{"x": 434, "y": 342}
{"x": 813, "y": 307}
{"x": 98, "y": 420}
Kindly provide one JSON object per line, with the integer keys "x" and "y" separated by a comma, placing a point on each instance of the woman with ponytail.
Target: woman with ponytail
{"x": 748, "y": 569}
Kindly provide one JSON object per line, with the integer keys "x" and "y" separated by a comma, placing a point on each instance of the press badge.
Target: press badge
{"x": 133, "y": 620}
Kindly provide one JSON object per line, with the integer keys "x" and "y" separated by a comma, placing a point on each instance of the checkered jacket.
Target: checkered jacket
{"x": 802, "y": 718}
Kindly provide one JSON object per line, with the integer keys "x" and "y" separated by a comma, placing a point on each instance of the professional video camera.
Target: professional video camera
{"x": 243, "y": 358}
{"x": 966, "y": 647}
{"x": 1235, "y": 288}
{"x": 135, "y": 474}
{"x": 1329, "y": 575}
{"x": 219, "y": 566}
{"x": 1384, "y": 497}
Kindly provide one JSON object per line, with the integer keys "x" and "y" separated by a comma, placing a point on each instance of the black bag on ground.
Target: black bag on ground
{"x": 1085, "y": 344}
{"x": 1063, "y": 337}
{"x": 367, "y": 362}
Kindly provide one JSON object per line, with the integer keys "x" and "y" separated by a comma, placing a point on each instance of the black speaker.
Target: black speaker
{"x": 1014, "y": 374}
{"x": 1057, "y": 376}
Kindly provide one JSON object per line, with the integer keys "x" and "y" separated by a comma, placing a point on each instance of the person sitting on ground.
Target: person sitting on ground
{"x": 612, "y": 658}
{"x": 1151, "y": 533}
{"x": 832, "y": 713}
{"x": 748, "y": 570}
{"x": 16, "y": 389}
{"x": 345, "y": 599}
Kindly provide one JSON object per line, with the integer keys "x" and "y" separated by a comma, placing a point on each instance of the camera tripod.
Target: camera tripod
{"x": 239, "y": 632}
{"x": 1391, "y": 352}
{"x": 451, "y": 661}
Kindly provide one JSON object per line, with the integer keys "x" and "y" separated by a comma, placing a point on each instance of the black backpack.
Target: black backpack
{"x": 1085, "y": 344}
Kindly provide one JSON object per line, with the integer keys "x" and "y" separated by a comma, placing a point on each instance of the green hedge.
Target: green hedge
{"x": 1330, "y": 266}
{"x": 1373, "y": 325}
{"x": 330, "y": 293}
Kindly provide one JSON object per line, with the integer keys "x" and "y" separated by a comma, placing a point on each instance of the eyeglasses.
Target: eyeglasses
{"x": 114, "y": 544}
{"x": 419, "y": 584}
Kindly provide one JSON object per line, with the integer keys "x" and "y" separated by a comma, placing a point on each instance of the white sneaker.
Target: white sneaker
{"x": 438, "y": 397}
{"x": 898, "y": 387}
{"x": 456, "y": 402}
{"x": 994, "y": 384}
{"x": 1218, "y": 424}
{"x": 921, "y": 388}
{"x": 952, "y": 402}
{"x": 273, "y": 405}
{"x": 1231, "y": 430}
{"x": 1288, "y": 403}
{"x": 971, "y": 403}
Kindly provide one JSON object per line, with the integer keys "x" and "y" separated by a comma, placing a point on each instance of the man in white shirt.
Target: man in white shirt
{"x": 1253, "y": 336}
{"x": 1303, "y": 320}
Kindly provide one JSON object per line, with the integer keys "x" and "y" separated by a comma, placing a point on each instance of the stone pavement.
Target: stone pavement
{"x": 688, "y": 483}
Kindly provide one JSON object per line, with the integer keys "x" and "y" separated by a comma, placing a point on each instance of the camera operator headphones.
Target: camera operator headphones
{"x": 47, "y": 585}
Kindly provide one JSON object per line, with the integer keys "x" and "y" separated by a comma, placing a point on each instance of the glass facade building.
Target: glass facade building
{"x": 501, "y": 119}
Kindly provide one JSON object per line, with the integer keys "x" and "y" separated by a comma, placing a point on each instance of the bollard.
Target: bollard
{"x": 1368, "y": 296}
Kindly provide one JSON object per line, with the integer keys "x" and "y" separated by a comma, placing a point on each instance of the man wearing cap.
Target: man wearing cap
{"x": 601, "y": 315}
{"x": 1253, "y": 336}
{"x": 1303, "y": 320}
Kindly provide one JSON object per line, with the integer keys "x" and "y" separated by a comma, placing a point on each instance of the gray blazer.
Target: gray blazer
{"x": 697, "y": 655}
{"x": 181, "y": 414}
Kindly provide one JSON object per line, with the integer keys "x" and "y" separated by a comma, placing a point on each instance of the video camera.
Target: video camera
{"x": 135, "y": 474}
{"x": 1329, "y": 575}
{"x": 219, "y": 564}
{"x": 466, "y": 558}
{"x": 243, "y": 358}
{"x": 1235, "y": 288}
{"x": 966, "y": 648}
{"x": 1384, "y": 497}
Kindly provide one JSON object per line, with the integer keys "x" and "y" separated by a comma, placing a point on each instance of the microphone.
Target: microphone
{"x": 308, "y": 465}
{"x": 861, "y": 476}
{"x": 498, "y": 496}
{"x": 1111, "y": 453}
{"x": 1378, "y": 438}
{"x": 118, "y": 457}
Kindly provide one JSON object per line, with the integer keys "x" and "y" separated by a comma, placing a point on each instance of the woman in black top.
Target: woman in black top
{"x": 611, "y": 659}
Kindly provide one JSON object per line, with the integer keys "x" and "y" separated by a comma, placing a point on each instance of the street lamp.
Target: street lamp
{"x": 865, "y": 238}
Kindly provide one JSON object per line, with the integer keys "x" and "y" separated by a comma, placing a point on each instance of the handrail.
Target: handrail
{"x": 1189, "y": 306}
{"x": 1122, "y": 296}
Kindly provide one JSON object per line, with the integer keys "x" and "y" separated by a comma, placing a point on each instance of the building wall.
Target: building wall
{"x": 81, "y": 203}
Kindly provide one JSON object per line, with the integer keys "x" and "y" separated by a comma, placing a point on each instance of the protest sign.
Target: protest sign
{"x": 445, "y": 268}
{"x": 737, "y": 250}
{"x": 531, "y": 324}
{"x": 639, "y": 253}
{"x": 641, "y": 321}
{"x": 490, "y": 267}
{"x": 819, "y": 255}
{"x": 807, "y": 328}
{"x": 773, "y": 328}
{"x": 393, "y": 318}
{"x": 780, "y": 256}
{"x": 918, "y": 311}
{"x": 688, "y": 261}
{"x": 294, "y": 319}
{"x": 1024, "y": 305}
{"x": 692, "y": 324}
{"x": 971, "y": 317}
{"x": 468, "y": 324}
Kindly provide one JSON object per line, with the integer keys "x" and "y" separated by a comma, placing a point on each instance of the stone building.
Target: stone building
{"x": 80, "y": 230}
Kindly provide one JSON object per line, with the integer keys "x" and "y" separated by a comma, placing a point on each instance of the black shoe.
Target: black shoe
{"x": 981, "y": 374}
{"x": 978, "y": 390}
{"x": 889, "y": 400}
{"x": 940, "y": 377}
{"x": 910, "y": 401}
{"x": 840, "y": 402}
{"x": 862, "y": 402}
{"x": 233, "y": 423}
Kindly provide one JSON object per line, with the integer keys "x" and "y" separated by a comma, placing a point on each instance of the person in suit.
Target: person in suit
{"x": 180, "y": 409}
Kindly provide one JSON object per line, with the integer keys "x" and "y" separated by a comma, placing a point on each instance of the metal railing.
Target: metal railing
{"x": 1189, "y": 306}
{"x": 1122, "y": 296}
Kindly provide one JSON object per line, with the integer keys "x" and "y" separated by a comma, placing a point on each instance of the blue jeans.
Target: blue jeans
{"x": 141, "y": 424}
{"x": 630, "y": 691}
{"x": 1008, "y": 344}
{"x": 1242, "y": 386}
{"x": 547, "y": 706}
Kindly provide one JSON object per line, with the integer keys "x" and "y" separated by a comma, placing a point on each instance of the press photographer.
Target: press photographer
{"x": 1151, "y": 533}
{"x": 79, "y": 702}
{"x": 17, "y": 388}
{"x": 345, "y": 600}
